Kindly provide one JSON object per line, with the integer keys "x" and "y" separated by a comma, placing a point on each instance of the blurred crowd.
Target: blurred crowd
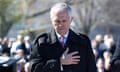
{"x": 103, "y": 48}
{"x": 18, "y": 48}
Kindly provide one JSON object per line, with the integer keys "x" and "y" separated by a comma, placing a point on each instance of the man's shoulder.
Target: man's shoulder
{"x": 79, "y": 35}
{"x": 82, "y": 36}
{"x": 41, "y": 37}
{"x": 44, "y": 34}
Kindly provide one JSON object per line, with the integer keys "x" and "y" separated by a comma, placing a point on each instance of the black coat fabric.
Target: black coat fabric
{"x": 115, "y": 62}
{"x": 47, "y": 50}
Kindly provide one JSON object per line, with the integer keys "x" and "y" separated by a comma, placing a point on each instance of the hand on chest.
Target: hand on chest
{"x": 56, "y": 50}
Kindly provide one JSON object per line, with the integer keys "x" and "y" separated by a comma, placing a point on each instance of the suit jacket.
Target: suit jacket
{"x": 47, "y": 50}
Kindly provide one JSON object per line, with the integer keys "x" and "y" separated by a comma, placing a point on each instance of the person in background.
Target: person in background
{"x": 5, "y": 47}
{"x": 100, "y": 65}
{"x": 107, "y": 58}
{"x": 16, "y": 44}
{"x": 98, "y": 39}
{"x": 1, "y": 46}
{"x": 108, "y": 44}
{"x": 27, "y": 67}
{"x": 96, "y": 50}
{"x": 28, "y": 45}
{"x": 61, "y": 49}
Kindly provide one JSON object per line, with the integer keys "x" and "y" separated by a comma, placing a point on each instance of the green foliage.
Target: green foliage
{"x": 8, "y": 15}
{"x": 4, "y": 4}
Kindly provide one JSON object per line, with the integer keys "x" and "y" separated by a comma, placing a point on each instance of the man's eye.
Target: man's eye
{"x": 57, "y": 21}
{"x": 64, "y": 21}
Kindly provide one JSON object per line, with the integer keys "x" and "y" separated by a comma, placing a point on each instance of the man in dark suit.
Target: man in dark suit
{"x": 61, "y": 49}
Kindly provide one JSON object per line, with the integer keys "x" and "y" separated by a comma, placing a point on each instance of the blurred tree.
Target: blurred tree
{"x": 12, "y": 11}
{"x": 6, "y": 18}
{"x": 87, "y": 11}
{"x": 3, "y": 10}
{"x": 90, "y": 13}
{"x": 112, "y": 8}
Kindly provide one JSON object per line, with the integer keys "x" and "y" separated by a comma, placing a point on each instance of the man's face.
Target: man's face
{"x": 61, "y": 21}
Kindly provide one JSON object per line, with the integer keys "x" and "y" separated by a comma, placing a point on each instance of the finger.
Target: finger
{"x": 75, "y": 60}
{"x": 66, "y": 51}
{"x": 74, "y": 53}
{"x": 76, "y": 57}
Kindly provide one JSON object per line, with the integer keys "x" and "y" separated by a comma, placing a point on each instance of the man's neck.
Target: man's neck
{"x": 65, "y": 35}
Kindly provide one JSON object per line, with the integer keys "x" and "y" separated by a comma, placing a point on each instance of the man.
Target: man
{"x": 17, "y": 44}
{"x": 62, "y": 50}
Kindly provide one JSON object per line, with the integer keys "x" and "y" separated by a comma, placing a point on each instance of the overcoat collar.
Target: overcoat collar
{"x": 71, "y": 37}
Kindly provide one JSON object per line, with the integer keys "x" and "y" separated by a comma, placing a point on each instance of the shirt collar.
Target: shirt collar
{"x": 59, "y": 36}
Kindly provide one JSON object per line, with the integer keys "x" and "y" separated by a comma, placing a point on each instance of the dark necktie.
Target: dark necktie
{"x": 62, "y": 41}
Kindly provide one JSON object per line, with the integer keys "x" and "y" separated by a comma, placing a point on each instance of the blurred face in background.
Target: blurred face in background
{"x": 100, "y": 63}
{"x": 61, "y": 20}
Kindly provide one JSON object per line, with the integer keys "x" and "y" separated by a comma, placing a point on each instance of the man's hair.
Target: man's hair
{"x": 62, "y": 6}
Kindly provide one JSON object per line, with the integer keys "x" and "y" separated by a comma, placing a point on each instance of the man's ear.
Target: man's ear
{"x": 72, "y": 19}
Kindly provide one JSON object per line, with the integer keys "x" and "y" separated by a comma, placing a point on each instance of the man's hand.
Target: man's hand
{"x": 70, "y": 58}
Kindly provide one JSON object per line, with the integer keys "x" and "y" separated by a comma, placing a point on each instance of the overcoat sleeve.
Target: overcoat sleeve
{"x": 38, "y": 61}
{"x": 115, "y": 61}
{"x": 90, "y": 58}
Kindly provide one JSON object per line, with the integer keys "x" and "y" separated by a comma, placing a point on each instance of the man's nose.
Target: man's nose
{"x": 59, "y": 25}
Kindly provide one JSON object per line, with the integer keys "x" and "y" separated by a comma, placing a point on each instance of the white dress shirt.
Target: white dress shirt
{"x": 60, "y": 40}
{"x": 60, "y": 37}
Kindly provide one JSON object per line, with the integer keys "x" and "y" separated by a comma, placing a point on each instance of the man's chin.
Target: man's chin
{"x": 62, "y": 33}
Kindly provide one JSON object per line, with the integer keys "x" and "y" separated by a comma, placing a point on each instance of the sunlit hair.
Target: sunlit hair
{"x": 61, "y": 6}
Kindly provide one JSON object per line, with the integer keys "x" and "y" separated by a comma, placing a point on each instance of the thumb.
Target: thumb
{"x": 66, "y": 51}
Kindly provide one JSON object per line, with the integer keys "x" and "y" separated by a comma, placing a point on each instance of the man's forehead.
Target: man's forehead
{"x": 58, "y": 12}
{"x": 60, "y": 15}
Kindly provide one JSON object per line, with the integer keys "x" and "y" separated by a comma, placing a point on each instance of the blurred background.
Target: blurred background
{"x": 95, "y": 18}
{"x": 31, "y": 16}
